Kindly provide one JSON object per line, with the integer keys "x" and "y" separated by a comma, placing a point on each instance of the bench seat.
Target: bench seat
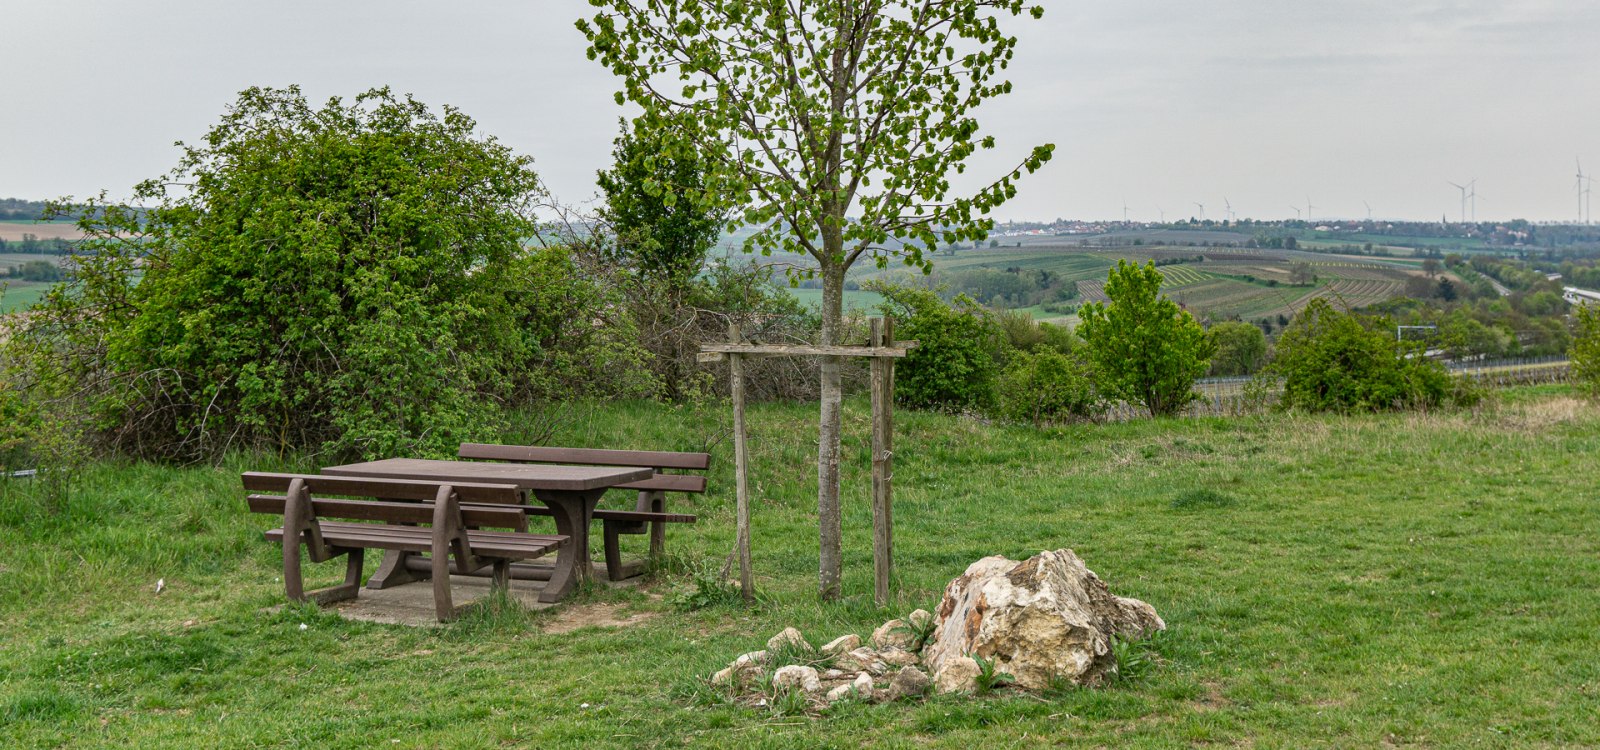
{"x": 505, "y": 544}
{"x": 455, "y": 524}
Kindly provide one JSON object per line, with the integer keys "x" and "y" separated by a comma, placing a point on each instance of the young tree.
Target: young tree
{"x": 663, "y": 229}
{"x": 1302, "y": 274}
{"x": 834, "y": 128}
{"x": 1145, "y": 348}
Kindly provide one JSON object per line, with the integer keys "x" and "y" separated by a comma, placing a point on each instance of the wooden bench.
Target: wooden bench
{"x": 649, "y": 513}
{"x": 459, "y": 516}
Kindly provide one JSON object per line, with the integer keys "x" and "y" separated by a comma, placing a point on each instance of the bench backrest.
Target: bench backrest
{"x": 482, "y": 505}
{"x": 388, "y": 489}
{"x": 658, "y": 460}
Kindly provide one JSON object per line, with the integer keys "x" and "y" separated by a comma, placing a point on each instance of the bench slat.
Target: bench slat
{"x": 592, "y": 456}
{"x": 669, "y": 483}
{"x": 393, "y": 489}
{"x": 418, "y": 539}
{"x": 602, "y": 514}
{"x": 390, "y": 512}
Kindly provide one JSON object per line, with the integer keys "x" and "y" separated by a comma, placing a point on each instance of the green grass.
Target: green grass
{"x": 1393, "y": 580}
{"x": 853, "y": 300}
{"x": 18, "y": 295}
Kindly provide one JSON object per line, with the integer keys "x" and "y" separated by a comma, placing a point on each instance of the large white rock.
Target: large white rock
{"x": 1044, "y": 618}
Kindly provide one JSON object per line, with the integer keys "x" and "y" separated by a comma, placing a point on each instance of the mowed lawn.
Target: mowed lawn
{"x": 1374, "y": 581}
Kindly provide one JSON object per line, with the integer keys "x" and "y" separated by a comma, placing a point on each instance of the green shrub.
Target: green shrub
{"x": 1241, "y": 348}
{"x": 1333, "y": 361}
{"x": 350, "y": 279}
{"x": 953, "y": 365}
{"x": 1585, "y": 349}
{"x": 1047, "y": 386}
{"x": 1022, "y": 333}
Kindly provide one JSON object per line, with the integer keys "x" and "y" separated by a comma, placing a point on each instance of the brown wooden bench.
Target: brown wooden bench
{"x": 649, "y": 513}
{"x": 459, "y": 518}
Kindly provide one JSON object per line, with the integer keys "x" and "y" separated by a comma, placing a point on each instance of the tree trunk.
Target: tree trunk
{"x": 828, "y": 516}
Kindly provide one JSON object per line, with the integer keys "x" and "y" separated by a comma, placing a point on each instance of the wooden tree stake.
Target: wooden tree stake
{"x": 882, "y": 461}
{"x": 741, "y": 465}
{"x": 882, "y": 350}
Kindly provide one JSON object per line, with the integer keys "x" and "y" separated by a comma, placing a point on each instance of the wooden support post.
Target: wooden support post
{"x": 882, "y": 333}
{"x": 741, "y": 465}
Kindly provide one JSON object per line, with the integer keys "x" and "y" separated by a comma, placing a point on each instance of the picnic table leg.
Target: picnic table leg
{"x": 391, "y": 571}
{"x": 573, "y": 512}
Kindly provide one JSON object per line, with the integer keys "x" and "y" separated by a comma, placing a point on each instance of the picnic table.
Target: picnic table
{"x": 570, "y": 493}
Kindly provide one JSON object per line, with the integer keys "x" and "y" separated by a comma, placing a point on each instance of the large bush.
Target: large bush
{"x": 1333, "y": 361}
{"x": 350, "y": 278}
{"x": 1241, "y": 348}
{"x": 953, "y": 366}
{"x": 1047, "y": 386}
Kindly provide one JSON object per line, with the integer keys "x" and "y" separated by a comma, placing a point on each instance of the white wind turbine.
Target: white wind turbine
{"x": 1463, "y": 189}
{"x": 1298, "y": 214}
{"x": 1369, "y": 210}
{"x": 1202, "y": 208}
{"x": 1309, "y": 208}
{"x": 1581, "y": 192}
{"x": 1229, "y": 204}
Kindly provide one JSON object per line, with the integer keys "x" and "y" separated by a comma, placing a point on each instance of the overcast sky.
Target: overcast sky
{"x": 1157, "y": 103}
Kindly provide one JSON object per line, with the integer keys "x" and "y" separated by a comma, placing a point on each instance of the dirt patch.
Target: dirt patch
{"x": 13, "y": 231}
{"x": 577, "y": 616}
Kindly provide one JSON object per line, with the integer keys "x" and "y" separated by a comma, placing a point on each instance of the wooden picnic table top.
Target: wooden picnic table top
{"x": 554, "y": 477}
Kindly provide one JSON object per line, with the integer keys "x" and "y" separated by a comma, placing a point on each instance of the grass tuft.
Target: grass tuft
{"x": 45, "y": 705}
{"x": 1202, "y": 499}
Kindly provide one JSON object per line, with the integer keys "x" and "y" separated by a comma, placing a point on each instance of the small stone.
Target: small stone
{"x": 919, "y": 618}
{"x": 754, "y": 657}
{"x": 737, "y": 674}
{"x": 891, "y": 633}
{"x": 798, "y": 677}
{"x": 863, "y": 686}
{"x": 789, "y": 638}
{"x": 909, "y": 682}
{"x": 861, "y": 659}
{"x": 958, "y": 674}
{"x": 835, "y": 674}
{"x": 844, "y": 644}
{"x": 838, "y": 693}
{"x": 897, "y": 657}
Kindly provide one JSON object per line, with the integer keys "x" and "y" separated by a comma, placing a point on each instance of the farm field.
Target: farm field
{"x": 853, "y": 300}
{"x": 1421, "y": 580}
{"x": 12, "y": 231}
{"x": 18, "y": 295}
{"x": 1218, "y": 287}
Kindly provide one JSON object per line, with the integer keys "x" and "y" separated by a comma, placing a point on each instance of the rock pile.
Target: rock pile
{"x": 1043, "y": 620}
